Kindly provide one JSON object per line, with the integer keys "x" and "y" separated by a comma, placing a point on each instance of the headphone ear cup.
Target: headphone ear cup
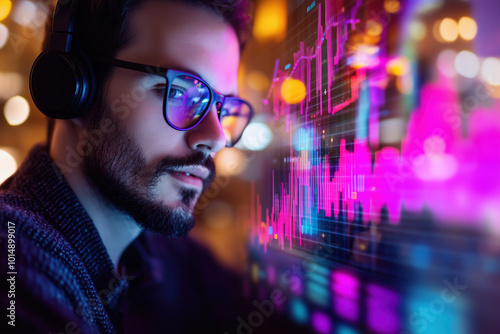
{"x": 62, "y": 85}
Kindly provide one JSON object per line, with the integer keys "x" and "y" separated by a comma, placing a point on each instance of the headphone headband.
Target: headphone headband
{"x": 62, "y": 25}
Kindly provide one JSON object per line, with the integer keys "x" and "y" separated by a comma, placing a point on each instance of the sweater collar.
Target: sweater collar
{"x": 43, "y": 181}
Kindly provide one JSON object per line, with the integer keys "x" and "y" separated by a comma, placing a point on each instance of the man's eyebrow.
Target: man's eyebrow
{"x": 188, "y": 70}
{"x": 183, "y": 69}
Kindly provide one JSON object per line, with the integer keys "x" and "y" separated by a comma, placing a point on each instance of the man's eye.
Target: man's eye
{"x": 175, "y": 93}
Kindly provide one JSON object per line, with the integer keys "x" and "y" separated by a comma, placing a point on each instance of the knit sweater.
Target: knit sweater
{"x": 62, "y": 279}
{"x": 65, "y": 281}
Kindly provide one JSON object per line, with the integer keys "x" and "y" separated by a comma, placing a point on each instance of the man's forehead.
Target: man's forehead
{"x": 179, "y": 36}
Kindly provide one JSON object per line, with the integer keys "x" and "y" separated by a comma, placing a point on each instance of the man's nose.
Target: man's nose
{"x": 207, "y": 136}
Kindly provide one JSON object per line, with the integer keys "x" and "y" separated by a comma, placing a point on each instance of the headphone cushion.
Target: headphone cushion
{"x": 62, "y": 84}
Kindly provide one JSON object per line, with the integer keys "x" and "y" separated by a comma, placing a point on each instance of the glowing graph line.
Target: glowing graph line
{"x": 310, "y": 54}
{"x": 415, "y": 175}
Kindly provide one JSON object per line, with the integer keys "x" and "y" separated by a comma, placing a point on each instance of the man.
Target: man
{"x": 138, "y": 159}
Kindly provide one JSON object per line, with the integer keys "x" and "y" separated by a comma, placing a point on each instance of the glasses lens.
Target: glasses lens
{"x": 187, "y": 101}
{"x": 235, "y": 115}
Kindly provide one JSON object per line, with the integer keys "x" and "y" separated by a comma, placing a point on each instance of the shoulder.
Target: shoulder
{"x": 46, "y": 276}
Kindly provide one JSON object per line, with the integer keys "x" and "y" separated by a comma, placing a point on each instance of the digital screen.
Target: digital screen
{"x": 378, "y": 210}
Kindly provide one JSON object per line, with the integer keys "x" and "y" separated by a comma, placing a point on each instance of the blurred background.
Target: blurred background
{"x": 364, "y": 197}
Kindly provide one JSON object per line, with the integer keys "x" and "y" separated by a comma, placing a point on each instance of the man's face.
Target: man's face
{"x": 140, "y": 165}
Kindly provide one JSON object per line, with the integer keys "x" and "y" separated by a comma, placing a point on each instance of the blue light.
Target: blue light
{"x": 287, "y": 66}
{"x": 342, "y": 329}
{"x": 311, "y": 6}
{"x": 318, "y": 293}
{"x": 318, "y": 278}
{"x": 363, "y": 113}
{"x": 429, "y": 313}
{"x": 420, "y": 256}
{"x": 299, "y": 311}
{"x": 270, "y": 231}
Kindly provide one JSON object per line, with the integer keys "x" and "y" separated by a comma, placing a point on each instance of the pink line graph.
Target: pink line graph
{"x": 453, "y": 175}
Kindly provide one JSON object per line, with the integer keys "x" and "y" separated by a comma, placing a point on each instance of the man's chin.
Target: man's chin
{"x": 174, "y": 225}
{"x": 170, "y": 220}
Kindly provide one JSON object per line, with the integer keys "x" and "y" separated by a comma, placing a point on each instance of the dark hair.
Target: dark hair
{"x": 101, "y": 27}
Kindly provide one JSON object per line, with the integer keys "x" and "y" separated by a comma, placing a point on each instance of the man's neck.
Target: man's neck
{"x": 117, "y": 229}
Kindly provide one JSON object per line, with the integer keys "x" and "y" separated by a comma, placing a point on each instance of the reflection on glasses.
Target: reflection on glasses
{"x": 187, "y": 99}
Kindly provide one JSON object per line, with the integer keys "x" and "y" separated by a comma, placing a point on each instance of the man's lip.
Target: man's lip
{"x": 197, "y": 171}
{"x": 190, "y": 179}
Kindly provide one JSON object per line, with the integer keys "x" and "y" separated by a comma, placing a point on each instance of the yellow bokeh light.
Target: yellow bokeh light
{"x": 493, "y": 91}
{"x": 293, "y": 91}
{"x": 436, "y": 33}
{"x": 270, "y": 20}
{"x": 8, "y": 165}
{"x": 448, "y": 29}
{"x": 398, "y": 66}
{"x": 392, "y": 6}
{"x": 5, "y": 7}
{"x": 257, "y": 80}
{"x": 16, "y": 110}
{"x": 467, "y": 28}
{"x": 373, "y": 28}
{"x": 364, "y": 56}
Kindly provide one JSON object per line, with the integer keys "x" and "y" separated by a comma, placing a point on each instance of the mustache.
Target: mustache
{"x": 170, "y": 163}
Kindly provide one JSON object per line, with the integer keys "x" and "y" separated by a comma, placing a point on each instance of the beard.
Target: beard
{"x": 117, "y": 170}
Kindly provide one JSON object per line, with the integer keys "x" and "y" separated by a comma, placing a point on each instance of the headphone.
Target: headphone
{"x": 62, "y": 80}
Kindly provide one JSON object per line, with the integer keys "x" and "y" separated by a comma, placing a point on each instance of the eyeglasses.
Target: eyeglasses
{"x": 188, "y": 99}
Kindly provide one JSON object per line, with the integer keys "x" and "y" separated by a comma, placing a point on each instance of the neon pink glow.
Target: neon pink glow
{"x": 345, "y": 296}
{"x": 443, "y": 165}
{"x": 321, "y": 323}
{"x": 382, "y": 309}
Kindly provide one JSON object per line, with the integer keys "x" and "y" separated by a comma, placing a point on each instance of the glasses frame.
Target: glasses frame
{"x": 170, "y": 74}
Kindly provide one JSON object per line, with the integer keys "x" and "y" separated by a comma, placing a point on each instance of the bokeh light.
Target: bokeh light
{"x": 373, "y": 28}
{"x": 270, "y": 20}
{"x": 257, "y": 80}
{"x": 448, "y": 29}
{"x": 257, "y": 136}
{"x": 5, "y": 7}
{"x": 24, "y": 13}
{"x": 490, "y": 71}
{"x": 293, "y": 91}
{"x": 364, "y": 56}
{"x": 446, "y": 63}
{"x": 8, "y": 165}
{"x": 11, "y": 83}
{"x": 16, "y": 110}
{"x": 398, "y": 66}
{"x": 230, "y": 161}
{"x": 467, "y": 28}
{"x": 4, "y": 35}
{"x": 392, "y": 6}
{"x": 436, "y": 32}
{"x": 417, "y": 30}
{"x": 467, "y": 64}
